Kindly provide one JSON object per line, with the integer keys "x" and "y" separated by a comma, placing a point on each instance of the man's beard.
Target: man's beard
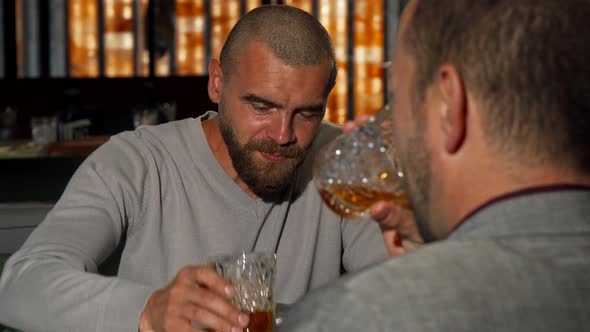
{"x": 263, "y": 178}
{"x": 414, "y": 159}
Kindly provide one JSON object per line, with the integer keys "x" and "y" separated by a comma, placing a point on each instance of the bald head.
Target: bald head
{"x": 291, "y": 34}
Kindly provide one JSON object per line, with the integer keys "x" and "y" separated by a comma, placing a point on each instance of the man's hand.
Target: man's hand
{"x": 357, "y": 122}
{"x": 398, "y": 226}
{"x": 197, "y": 294}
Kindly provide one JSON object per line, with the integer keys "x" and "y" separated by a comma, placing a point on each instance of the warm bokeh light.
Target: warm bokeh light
{"x": 83, "y": 37}
{"x": 368, "y": 56}
{"x": 224, "y": 15}
{"x": 301, "y": 4}
{"x": 118, "y": 38}
{"x": 190, "y": 44}
{"x": 251, "y": 4}
{"x": 190, "y": 37}
{"x": 333, "y": 15}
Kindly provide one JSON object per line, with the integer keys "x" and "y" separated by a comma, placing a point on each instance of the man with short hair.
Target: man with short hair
{"x": 491, "y": 118}
{"x": 176, "y": 194}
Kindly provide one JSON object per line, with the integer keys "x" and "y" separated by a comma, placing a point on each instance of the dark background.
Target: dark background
{"x": 109, "y": 104}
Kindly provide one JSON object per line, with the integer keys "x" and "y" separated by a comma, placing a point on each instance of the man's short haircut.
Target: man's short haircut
{"x": 527, "y": 61}
{"x": 293, "y": 35}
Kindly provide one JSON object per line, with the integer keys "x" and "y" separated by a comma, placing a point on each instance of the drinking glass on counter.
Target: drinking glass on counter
{"x": 7, "y": 124}
{"x": 252, "y": 275}
{"x": 44, "y": 129}
{"x": 145, "y": 117}
{"x": 358, "y": 169}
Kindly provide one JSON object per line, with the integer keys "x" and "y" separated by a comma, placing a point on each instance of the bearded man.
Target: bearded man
{"x": 176, "y": 194}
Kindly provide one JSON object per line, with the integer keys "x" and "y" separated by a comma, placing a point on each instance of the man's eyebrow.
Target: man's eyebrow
{"x": 252, "y": 98}
{"x": 312, "y": 107}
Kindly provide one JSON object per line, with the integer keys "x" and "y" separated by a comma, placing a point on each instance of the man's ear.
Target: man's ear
{"x": 453, "y": 114}
{"x": 215, "y": 80}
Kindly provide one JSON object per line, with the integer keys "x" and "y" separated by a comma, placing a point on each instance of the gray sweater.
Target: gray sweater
{"x": 160, "y": 197}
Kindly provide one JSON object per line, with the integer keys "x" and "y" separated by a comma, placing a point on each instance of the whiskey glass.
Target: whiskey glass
{"x": 252, "y": 275}
{"x": 358, "y": 169}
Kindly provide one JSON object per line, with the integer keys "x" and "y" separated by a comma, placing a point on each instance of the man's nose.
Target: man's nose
{"x": 281, "y": 130}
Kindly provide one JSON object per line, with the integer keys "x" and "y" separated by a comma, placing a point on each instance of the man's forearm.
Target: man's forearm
{"x": 44, "y": 293}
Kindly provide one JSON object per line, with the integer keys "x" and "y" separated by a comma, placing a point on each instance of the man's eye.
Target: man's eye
{"x": 309, "y": 115}
{"x": 261, "y": 107}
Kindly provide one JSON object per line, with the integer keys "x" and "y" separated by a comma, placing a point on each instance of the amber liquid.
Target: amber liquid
{"x": 353, "y": 202}
{"x": 260, "y": 321}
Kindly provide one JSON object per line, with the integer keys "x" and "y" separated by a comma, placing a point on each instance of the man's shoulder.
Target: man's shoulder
{"x": 446, "y": 264}
{"x": 167, "y": 136}
{"x": 455, "y": 285}
{"x": 142, "y": 146}
{"x": 166, "y": 131}
{"x": 368, "y": 300}
{"x": 420, "y": 270}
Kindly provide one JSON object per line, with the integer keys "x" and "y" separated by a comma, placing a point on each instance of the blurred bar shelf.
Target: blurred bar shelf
{"x": 169, "y": 38}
